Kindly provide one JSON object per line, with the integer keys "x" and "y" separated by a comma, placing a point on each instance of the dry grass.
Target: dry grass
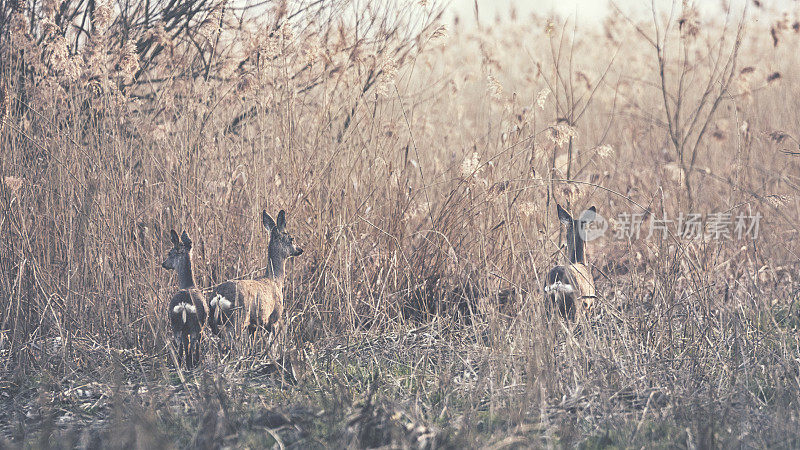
{"x": 419, "y": 165}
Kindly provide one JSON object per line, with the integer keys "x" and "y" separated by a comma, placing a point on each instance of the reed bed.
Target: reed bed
{"x": 419, "y": 160}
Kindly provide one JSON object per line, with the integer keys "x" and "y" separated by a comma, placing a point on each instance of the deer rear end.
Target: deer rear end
{"x": 187, "y": 308}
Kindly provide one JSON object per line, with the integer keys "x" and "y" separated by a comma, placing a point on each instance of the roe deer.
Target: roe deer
{"x": 571, "y": 286}
{"x": 187, "y": 309}
{"x": 251, "y": 304}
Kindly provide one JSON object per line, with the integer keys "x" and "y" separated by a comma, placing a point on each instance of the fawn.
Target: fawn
{"x": 187, "y": 309}
{"x": 570, "y": 287}
{"x": 259, "y": 302}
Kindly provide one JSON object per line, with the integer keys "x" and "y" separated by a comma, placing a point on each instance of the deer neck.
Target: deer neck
{"x": 185, "y": 275}
{"x": 575, "y": 247}
{"x": 276, "y": 265}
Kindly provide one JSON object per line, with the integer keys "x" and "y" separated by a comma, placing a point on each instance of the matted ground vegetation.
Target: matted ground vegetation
{"x": 419, "y": 160}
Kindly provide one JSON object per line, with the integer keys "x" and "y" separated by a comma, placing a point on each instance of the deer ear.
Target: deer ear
{"x": 173, "y": 235}
{"x": 563, "y": 215}
{"x": 269, "y": 224}
{"x": 282, "y": 220}
{"x": 185, "y": 240}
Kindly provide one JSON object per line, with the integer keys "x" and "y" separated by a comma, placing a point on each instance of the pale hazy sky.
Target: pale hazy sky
{"x": 594, "y": 11}
{"x": 490, "y": 8}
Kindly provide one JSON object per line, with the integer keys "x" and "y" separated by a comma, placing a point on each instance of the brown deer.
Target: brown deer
{"x": 187, "y": 309}
{"x": 247, "y": 305}
{"x": 571, "y": 287}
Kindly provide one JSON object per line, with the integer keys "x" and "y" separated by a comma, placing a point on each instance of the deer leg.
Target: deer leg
{"x": 177, "y": 343}
{"x": 227, "y": 338}
{"x": 186, "y": 358}
{"x": 245, "y": 336}
{"x": 253, "y": 333}
{"x": 257, "y": 340}
{"x": 275, "y": 328}
{"x": 279, "y": 334}
{"x": 194, "y": 343}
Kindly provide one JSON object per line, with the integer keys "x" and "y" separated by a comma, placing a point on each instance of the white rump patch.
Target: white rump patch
{"x": 223, "y": 302}
{"x": 559, "y": 287}
{"x": 219, "y": 303}
{"x": 183, "y": 308}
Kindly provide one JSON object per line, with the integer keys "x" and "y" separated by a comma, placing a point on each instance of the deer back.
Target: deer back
{"x": 257, "y": 299}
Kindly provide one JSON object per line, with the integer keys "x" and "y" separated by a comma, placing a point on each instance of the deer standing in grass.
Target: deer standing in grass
{"x": 571, "y": 287}
{"x": 187, "y": 309}
{"x": 247, "y": 305}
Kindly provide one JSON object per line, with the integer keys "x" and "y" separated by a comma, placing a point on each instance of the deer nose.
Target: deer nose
{"x": 298, "y": 251}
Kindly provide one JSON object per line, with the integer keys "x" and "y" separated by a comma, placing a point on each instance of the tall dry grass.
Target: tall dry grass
{"x": 419, "y": 164}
